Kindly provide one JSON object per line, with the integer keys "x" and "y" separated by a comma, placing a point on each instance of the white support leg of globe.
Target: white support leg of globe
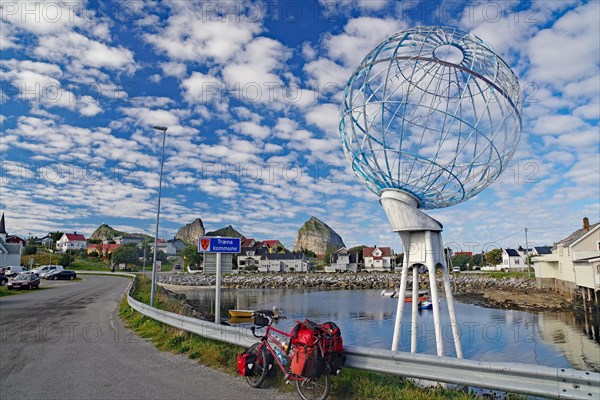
{"x": 421, "y": 236}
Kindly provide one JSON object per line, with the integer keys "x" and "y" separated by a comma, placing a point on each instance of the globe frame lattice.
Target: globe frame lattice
{"x": 433, "y": 112}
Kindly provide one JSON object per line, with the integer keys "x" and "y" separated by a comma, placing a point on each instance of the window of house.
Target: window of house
{"x": 517, "y": 261}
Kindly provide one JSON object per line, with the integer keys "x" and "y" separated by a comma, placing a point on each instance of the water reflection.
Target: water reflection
{"x": 553, "y": 339}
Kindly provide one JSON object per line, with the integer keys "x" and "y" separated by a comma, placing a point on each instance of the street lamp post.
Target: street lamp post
{"x": 162, "y": 160}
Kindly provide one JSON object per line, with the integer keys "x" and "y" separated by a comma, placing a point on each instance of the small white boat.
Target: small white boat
{"x": 425, "y": 305}
{"x": 386, "y": 293}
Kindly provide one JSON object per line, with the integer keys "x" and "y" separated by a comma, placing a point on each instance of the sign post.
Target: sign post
{"x": 218, "y": 291}
{"x": 158, "y": 266}
{"x": 218, "y": 245}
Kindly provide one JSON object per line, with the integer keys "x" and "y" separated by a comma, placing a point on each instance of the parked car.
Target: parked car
{"x": 24, "y": 281}
{"x": 48, "y": 268}
{"x": 13, "y": 270}
{"x": 45, "y": 274}
{"x": 455, "y": 269}
{"x": 3, "y": 280}
{"x": 64, "y": 274}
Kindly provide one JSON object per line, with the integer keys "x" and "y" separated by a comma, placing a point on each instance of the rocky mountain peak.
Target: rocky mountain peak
{"x": 191, "y": 232}
{"x": 228, "y": 231}
{"x": 105, "y": 231}
{"x": 316, "y": 236}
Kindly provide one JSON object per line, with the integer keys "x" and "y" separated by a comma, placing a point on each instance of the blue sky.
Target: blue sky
{"x": 251, "y": 94}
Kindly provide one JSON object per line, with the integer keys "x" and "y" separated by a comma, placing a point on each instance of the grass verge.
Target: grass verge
{"x": 502, "y": 275}
{"x": 5, "y": 292}
{"x": 350, "y": 384}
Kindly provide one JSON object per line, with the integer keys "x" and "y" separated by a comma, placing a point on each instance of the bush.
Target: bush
{"x": 30, "y": 249}
{"x": 93, "y": 254}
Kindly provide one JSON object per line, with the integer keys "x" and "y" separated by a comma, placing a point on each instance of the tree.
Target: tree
{"x": 493, "y": 257}
{"x": 30, "y": 249}
{"x": 327, "y": 257}
{"x": 127, "y": 254}
{"x": 478, "y": 259}
{"x": 461, "y": 260}
{"x": 399, "y": 260}
{"x": 56, "y": 236}
{"x": 65, "y": 260}
{"x": 191, "y": 256}
{"x": 308, "y": 253}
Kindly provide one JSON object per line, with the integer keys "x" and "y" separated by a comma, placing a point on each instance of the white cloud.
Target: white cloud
{"x": 252, "y": 129}
{"x": 256, "y": 70}
{"x": 185, "y": 39}
{"x": 84, "y": 51}
{"x": 147, "y": 117}
{"x": 326, "y": 117}
{"x": 176, "y": 69}
{"x": 38, "y": 83}
{"x": 359, "y": 37}
{"x": 202, "y": 88}
{"x": 556, "y": 124}
{"x": 569, "y": 50}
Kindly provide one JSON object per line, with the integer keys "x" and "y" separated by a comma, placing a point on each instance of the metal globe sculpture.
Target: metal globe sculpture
{"x": 433, "y": 112}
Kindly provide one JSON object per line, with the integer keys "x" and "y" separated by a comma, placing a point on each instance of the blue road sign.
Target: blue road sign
{"x": 210, "y": 244}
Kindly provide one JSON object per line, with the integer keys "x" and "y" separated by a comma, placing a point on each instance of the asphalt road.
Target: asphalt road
{"x": 68, "y": 342}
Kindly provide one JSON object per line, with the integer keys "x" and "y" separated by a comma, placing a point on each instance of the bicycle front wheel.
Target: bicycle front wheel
{"x": 261, "y": 368}
{"x": 314, "y": 389}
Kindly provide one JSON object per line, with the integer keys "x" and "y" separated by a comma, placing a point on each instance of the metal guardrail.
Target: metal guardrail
{"x": 535, "y": 380}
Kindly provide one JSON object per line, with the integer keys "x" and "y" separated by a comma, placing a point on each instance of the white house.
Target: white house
{"x": 284, "y": 262}
{"x": 71, "y": 241}
{"x": 574, "y": 263}
{"x": 514, "y": 260}
{"x": 378, "y": 258}
{"x": 10, "y": 253}
{"x": 342, "y": 261}
{"x": 165, "y": 247}
{"x": 250, "y": 256}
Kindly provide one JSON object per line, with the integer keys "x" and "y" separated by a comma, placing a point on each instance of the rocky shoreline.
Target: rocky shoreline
{"x": 505, "y": 293}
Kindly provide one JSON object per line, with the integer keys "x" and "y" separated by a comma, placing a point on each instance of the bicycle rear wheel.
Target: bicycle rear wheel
{"x": 260, "y": 366}
{"x": 314, "y": 389}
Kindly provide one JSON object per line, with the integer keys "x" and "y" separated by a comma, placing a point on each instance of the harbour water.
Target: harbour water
{"x": 559, "y": 340}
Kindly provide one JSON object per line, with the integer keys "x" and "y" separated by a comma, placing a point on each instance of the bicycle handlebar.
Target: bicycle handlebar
{"x": 253, "y": 329}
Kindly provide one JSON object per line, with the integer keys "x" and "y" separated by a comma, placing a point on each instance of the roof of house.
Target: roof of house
{"x": 257, "y": 250}
{"x": 578, "y": 234}
{"x": 270, "y": 243}
{"x": 75, "y": 237}
{"x": 543, "y": 249}
{"x": 2, "y": 225}
{"x": 385, "y": 251}
{"x": 341, "y": 250}
{"x": 282, "y": 256}
{"x": 104, "y": 247}
{"x": 512, "y": 253}
{"x": 15, "y": 239}
{"x": 248, "y": 242}
{"x": 9, "y": 248}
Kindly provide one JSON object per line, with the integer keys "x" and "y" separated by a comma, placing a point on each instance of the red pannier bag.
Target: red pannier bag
{"x": 332, "y": 340}
{"x": 306, "y": 362}
{"x": 303, "y": 335}
{"x": 245, "y": 364}
{"x": 333, "y": 344}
